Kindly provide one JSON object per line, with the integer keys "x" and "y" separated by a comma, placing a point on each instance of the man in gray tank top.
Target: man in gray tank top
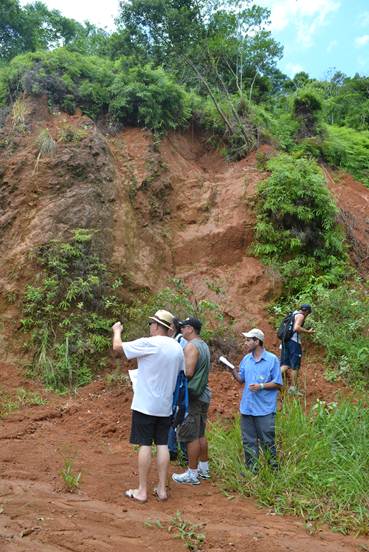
{"x": 192, "y": 430}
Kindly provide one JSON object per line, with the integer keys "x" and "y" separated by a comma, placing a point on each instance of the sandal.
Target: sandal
{"x": 158, "y": 497}
{"x": 131, "y": 494}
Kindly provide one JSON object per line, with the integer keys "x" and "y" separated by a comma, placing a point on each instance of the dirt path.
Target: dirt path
{"x": 37, "y": 515}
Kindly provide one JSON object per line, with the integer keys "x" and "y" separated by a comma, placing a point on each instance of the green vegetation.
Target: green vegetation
{"x": 22, "y": 398}
{"x": 69, "y": 79}
{"x": 70, "y": 478}
{"x": 211, "y": 66}
{"x": 296, "y": 228}
{"x": 323, "y": 465}
{"x": 191, "y": 534}
{"x": 135, "y": 91}
{"x": 341, "y": 322}
{"x": 70, "y": 308}
{"x": 33, "y": 27}
{"x": 46, "y": 146}
{"x": 297, "y": 233}
{"x": 348, "y": 149}
{"x": 69, "y": 312}
{"x": 179, "y": 300}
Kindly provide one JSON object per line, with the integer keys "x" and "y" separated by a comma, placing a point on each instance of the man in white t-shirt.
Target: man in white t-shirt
{"x": 160, "y": 359}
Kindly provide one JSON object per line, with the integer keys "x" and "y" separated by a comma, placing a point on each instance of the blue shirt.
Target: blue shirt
{"x": 264, "y": 370}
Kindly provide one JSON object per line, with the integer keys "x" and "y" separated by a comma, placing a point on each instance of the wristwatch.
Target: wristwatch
{"x": 261, "y": 386}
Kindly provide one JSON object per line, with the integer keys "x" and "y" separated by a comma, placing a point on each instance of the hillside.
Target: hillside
{"x": 177, "y": 210}
{"x": 170, "y": 209}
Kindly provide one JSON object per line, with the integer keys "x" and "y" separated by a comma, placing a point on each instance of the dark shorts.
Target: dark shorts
{"x": 291, "y": 355}
{"x": 146, "y": 430}
{"x": 194, "y": 425}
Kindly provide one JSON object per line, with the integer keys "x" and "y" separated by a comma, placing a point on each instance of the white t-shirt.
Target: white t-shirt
{"x": 160, "y": 359}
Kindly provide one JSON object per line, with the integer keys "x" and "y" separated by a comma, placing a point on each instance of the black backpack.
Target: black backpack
{"x": 285, "y": 330}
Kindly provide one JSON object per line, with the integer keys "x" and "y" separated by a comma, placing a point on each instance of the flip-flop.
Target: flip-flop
{"x": 156, "y": 495}
{"x": 131, "y": 494}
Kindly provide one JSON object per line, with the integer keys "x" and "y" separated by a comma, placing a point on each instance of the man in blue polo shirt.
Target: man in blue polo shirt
{"x": 261, "y": 374}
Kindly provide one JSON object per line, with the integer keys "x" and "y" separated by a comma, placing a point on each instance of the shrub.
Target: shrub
{"x": 67, "y": 78}
{"x": 245, "y": 122}
{"x": 179, "y": 300}
{"x": 341, "y": 322}
{"x": 133, "y": 95}
{"x": 296, "y": 225}
{"x": 69, "y": 311}
{"x": 149, "y": 97}
{"x": 349, "y": 149}
{"x": 307, "y": 108}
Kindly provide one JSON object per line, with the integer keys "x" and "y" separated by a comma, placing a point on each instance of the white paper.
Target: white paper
{"x": 133, "y": 378}
{"x": 226, "y": 362}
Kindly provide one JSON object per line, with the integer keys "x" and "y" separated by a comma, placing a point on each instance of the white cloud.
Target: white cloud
{"x": 293, "y": 68}
{"x": 101, "y": 14}
{"x": 364, "y": 19}
{"x": 305, "y": 16}
{"x": 332, "y": 46}
{"x": 361, "y": 41}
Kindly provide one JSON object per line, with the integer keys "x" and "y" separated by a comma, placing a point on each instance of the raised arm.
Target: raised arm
{"x": 117, "y": 340}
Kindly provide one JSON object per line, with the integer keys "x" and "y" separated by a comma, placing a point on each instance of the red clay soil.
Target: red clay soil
{"x": 352, "y": 198}
{"x": 92, "y": 429}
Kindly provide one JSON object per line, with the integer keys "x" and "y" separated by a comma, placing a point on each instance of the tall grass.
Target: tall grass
{"x": 324, "y": 465}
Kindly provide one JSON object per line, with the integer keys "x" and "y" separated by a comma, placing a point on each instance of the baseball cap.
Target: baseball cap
{"x": 306, "y": 307}
{"x": 191, "y": 321}
{"x": 163, "y": 317}
{"x": 255, "y": 332}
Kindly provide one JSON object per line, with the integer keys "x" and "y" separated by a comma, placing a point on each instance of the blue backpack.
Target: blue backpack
{"x": 180, "y": 400}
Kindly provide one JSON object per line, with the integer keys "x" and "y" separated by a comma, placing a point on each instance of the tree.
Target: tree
{"x": 32, "y": 28}
{"x": 217, "y": 37}
{"x": 216, "y": 47}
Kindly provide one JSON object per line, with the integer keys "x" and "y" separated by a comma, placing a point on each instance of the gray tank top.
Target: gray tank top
{"x": 296, "y": 336}
{"x": 201, "y": 375}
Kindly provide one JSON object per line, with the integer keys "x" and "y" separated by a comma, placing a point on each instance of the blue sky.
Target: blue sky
{"x": 317, "y": 35}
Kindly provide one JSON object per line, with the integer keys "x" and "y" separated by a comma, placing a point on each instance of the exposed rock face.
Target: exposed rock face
{"x": 352, "y": 198}
{"x": 159, "y": 210}
{"x": 188, "y": 213}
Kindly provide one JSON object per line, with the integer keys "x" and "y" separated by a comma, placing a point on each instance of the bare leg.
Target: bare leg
{"x": 144, "y": 461}
{"x": 204, "y": 454}
{"x": 294, "y": 377}
{"x": 193, "y": 451}
{"x": 284, "y": 369}
{"x": 162, "y": 458}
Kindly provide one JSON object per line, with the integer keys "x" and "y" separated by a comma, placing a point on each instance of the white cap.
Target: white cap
{"x": 255, "y": 332}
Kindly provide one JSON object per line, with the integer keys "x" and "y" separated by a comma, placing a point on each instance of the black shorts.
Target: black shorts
{"x": 146, "y": 429}
{"x": 291, "y": 355}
